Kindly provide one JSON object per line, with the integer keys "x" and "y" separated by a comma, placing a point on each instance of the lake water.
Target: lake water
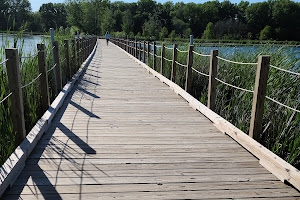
{"x": 28, "y": 43}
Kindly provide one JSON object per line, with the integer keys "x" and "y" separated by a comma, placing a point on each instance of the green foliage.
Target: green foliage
{"x": 163, "y": 33}
{"x": 209, "y": 31}
{"x": 266, "y": 33}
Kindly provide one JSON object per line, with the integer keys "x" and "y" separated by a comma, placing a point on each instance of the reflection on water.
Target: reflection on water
{"x": 28, "y": 43}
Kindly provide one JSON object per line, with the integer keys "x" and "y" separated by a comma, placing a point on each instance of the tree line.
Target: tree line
{"x": 273, "y": 19}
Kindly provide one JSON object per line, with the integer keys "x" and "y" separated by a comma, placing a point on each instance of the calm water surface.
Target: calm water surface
{"x": 27, "y": 45}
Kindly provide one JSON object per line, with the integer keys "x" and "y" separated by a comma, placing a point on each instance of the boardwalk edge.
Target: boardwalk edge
{"x": 273, "y": 163}
{"x": 14, "y": 165}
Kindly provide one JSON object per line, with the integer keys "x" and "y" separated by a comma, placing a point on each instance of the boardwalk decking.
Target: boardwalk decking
{"x": 122, "y": 134}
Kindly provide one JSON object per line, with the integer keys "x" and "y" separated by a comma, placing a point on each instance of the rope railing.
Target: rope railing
{"x": 203, "y": 74}
{"x": 199, "y": 54}
{"x": 281, "y": 104}
{"x": 181, "y": 51}
{"x": 168, "y": 59}
{"x": 157, "y": 56}
{"x": 51, "y": 68}
{"x": 241, "y": 63}
{"x": 24, "y": 86}
{"x": 63, "y": 60}
{"x": 236, "y": 87}
{"x": 180, "y": 64}
{"x": 151, "y": 53}
{"x": 5, "y": 98}
{"x": 284, "y": 70}
{"x": 170, "y": 48}
{"x": 4, "y": 61}
{"x": 25, "y": 57}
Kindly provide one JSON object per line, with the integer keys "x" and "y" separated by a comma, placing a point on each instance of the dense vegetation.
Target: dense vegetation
{"x": 31, "y": 94}
{"x": 273, "y": 19}
{"x": 281, "y": 126}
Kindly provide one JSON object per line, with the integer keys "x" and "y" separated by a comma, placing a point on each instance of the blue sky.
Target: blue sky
{"x": 35, "y": 4}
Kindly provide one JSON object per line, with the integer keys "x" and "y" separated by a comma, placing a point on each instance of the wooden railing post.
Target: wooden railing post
{"x": 140, "y": 53}
{"x": 67, "y": 54}
{"x": 73, "y": 56}
{"x": 148, "y": 56}
{"x": 212, "y": 85}
{"x": 259, "y": 97}
{"x": 188, "y": 80}
{"x": 173, "y": 72}
{"x": 78, "y": 52}
{"x": 44, "y": 88}
{"x": 57, "y": 68}
{"x": 14, "y": 84}
{"x": 162, "y": 60}
{"x": 154, "y": 56}
{"x": 144, "y": 52}
{"x": 135, "y": 54}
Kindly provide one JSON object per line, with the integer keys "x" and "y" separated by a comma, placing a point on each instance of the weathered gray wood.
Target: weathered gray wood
{"x": 140, "y": 50}
{"x": 212, "y": 85}
{"x": 188, "y": 80}
{"x": 73, "y": 65}
{"x": 77, "y": 52}
{"x": 57, "y": 68}
{"x": 144, "y": 51}
{"x": 44, "y": 88}
{"x": 110, "y": 134}
{"x": 259, "y": 97}
{"x": 280, "y": 168}
{"x": 14, "y": 84}
{"x": 173, "y": 72}
{"x": 67, "y": 55}
{"x": 154, "y": 56}
{"x": 136, "y": 51}
{"x": 162, "y": 60}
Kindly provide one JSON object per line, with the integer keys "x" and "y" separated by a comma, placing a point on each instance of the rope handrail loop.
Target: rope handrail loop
{"x": 63, "y": 60}
{"x": 199, "y": 54}
{"x": 25, "y": 57}
{"x": 241, "y": 63}
{"x": 158, "y": 46}
{"x": 203, "y": 74}
{"x": 180, "y": 64}
{"x": 5, "y": 98}
{"x": 4, "y": 61}
{"x": 236, "y": 87}
{"x": 31, "y": 81}
{"x": 168, "y": 59}
{"x": 51, "y": 68}
{"x": 281, "y": 104}
{"x": 181, "y": 51}
{"x": 151, "y": 53}
{"x": 157, "y": 56}
{"x": 284, "y": 70}
{"x": 169, "y": 48}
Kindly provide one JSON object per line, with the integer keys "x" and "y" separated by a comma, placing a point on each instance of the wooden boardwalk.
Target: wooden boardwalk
{"x": 122, "y": 134}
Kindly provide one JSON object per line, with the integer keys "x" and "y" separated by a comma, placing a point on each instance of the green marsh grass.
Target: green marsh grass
{"x": 281, "y": 126}
{"x": 29, "y": 70}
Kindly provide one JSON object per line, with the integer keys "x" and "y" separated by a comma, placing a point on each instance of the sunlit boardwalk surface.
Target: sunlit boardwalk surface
{"x": 122, "y": 134}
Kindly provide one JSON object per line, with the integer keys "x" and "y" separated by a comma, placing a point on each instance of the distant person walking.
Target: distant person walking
{"x": 107, "y": 37}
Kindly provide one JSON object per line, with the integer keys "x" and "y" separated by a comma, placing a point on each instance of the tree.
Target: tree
{"x": 108, "y": 21}
{"x": 266, "y": 33}
{"x": 258, "y": 15}
{"x": 209, "y": 31}
{"x": 163, "y": 33}
{"x": 172, "y": 35}
{"x": 19, "y": 11}
{"x": 127, "y": 22}
{"x": 187, "y": 33}
{"x": 152, "y": 27}
{"x": 3, "y": 14}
